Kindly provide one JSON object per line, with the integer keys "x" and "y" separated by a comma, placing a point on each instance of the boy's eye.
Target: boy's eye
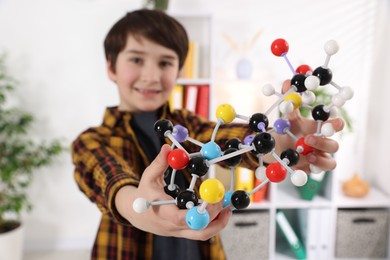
{"x": 165, "y": 63}
{"x": 136, "y": 60}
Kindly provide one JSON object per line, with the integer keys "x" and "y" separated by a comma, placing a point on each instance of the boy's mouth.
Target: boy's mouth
{"x": 148, "y": 91}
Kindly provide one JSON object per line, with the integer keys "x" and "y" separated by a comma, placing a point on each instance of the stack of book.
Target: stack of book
{"x": 312, "y": 186}
{"x": 245, "y": 180}
{"x": 290, "y": 235}
{"x": 195, "y": 98}
{"x": 190, "y": 69}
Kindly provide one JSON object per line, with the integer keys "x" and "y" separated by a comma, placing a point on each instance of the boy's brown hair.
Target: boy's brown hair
{"x": 154, "y": 25}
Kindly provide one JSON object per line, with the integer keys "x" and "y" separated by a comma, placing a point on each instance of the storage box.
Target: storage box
{"x": 247, "y": 234}
{"x": 362, "y": 233}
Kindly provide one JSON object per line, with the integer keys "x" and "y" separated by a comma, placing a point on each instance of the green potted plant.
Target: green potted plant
{"x": 20, "y": 156}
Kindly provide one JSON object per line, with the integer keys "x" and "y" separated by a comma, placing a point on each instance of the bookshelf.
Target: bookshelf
{"x": 315, "y": 221}
{"x": 195, "y": 79}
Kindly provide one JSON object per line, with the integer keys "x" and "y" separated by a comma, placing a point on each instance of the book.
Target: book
{"x": 312, "y": 186}
{"x": 191, "y": 97}
{"x": 224, "y": 175}
{"x": 176, "y": 98}
{"x": 310, "y": 226}
{"x": 244, "y": 180}
{"x": 203, "y": 102}
{"x": 259, "y": 195}
{"x": 289, "y": 233}
{"x": 190, "y": 68}
{"x": 325, "y": 240}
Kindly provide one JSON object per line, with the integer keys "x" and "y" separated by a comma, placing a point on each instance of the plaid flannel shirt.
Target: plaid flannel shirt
{"x": 109, "y": 156}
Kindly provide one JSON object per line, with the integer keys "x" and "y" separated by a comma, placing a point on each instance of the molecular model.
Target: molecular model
{"x": 303, "y": 82}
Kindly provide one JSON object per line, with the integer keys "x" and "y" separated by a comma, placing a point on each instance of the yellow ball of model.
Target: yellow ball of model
{"x": 226, "y": 112}
{"x": 295, "y": 98}
{"x": 212, "y": 191}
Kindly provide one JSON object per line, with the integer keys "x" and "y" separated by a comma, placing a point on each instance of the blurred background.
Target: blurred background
{"x": 54, "y": 49}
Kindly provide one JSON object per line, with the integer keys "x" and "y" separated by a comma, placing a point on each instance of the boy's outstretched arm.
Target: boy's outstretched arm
{"x": 164, "y": 220}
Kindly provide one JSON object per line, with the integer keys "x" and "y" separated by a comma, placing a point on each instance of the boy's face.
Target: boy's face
{"x": 145, "y": 74}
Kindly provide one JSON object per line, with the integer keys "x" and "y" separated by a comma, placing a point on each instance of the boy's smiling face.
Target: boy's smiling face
{"x": 145, "y": 73}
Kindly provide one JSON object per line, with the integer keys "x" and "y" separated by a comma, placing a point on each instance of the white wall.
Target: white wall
{"x": 376, "y": 137}
{"x": 55, "y": 50}
{"x": 307, "y": 25}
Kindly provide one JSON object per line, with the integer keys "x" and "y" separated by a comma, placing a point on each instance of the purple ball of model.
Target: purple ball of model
{"x": 281, "y": 126}
{"x": 180, "y": 133}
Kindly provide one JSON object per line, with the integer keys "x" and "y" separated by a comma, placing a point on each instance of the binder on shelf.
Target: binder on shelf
{"x": 190, "y": 69}
{"x": 312, "y": 186}
{"x": 310, "y": 227}
{"x": 325, "y": 216}
{"x": 289, "y": 233}
{"x": 176, "y": 98}
{"x": 224, "y": 175}
{"x": 244, "y": 180}
{"x": 203, "y": 102}
{"x": 259, "y": 195}
{"x": 191, "y": 97}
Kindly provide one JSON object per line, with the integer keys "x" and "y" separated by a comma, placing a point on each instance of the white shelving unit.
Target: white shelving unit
{"x": 284, "y": 196}
{"x": 200, "y": 29}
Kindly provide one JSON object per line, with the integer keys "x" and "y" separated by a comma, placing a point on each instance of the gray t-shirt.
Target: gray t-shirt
{"x": 164, "y": 248}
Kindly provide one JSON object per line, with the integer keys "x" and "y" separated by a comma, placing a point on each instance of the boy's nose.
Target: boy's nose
{"x": 150, "y": 73}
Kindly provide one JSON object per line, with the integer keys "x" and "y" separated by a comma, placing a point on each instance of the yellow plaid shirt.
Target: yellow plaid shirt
{"x": 109, "y": 156}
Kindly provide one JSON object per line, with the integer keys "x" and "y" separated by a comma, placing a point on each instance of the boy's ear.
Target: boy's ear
{"x": 110, "y": 71}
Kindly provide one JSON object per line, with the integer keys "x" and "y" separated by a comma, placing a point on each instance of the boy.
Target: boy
{"x": 114, "y": 162}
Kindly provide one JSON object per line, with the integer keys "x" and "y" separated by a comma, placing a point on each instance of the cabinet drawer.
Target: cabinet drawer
{"x": 362, "y": 233}
{"x": 247, "y": 234}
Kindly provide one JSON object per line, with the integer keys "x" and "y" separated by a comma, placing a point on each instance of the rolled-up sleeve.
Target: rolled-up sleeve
{"x": 100, "y": 172}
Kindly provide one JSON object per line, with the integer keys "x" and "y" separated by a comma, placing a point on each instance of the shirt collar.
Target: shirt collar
{"x": 113, "y": 116}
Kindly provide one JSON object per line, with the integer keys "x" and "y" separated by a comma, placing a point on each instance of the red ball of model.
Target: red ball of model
{"x": 178, "y": 159}
{"x": 279, "y": 47}
{"x": 303, "y": 69}
{"x": 276, "y": 172}
{"x": 303, "y": 148}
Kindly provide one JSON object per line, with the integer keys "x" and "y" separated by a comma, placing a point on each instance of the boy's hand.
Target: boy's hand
{"x": 322, "y": 146}
{"x": 165, "y": 220}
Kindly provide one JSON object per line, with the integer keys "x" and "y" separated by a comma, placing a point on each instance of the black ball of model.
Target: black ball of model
{"x": 291, "y": 155}
{"x": 162, "y": 126}
{"x": 299, "y": 82}
{"x": 174, "y": 192}
{"x": 198, "y": 165}
{"x": 257, "y": 119}
{"x": 187, "y": 199}
{"x": 232, "y": 143}
{"x": 240, "y": 199}
{"x": 263, "y": 143}
{"x": 232, "y": 161}
{"x": 319, "y": 113}
{"x": 324, "y": 74}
